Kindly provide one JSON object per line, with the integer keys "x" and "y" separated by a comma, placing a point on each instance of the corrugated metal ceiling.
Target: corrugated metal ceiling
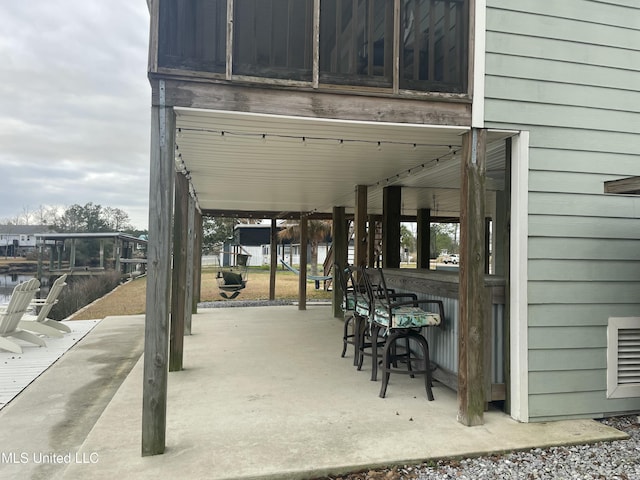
{"x": 255, "y": 162}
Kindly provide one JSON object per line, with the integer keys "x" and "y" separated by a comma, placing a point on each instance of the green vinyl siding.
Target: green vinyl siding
{"x": 569, "y": 73}
{"x": 570, "y": 314}
{"x": 584, "y": 248}
{"x": 583, "y": 270}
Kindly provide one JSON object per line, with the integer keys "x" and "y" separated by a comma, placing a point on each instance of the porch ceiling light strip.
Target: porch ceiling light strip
{"x": 303, "y": 138}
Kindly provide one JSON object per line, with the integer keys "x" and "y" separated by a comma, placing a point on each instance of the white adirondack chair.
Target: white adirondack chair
{"x": 40, "y": 323}
{"x": 10, "y": 316}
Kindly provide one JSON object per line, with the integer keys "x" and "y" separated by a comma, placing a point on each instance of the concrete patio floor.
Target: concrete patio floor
{"x": 265, "y": 394}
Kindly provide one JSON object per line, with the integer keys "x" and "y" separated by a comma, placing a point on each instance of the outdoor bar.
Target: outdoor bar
{"x": 443, "y": 340}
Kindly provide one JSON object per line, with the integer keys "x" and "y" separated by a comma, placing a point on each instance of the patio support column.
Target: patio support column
{"x": 424, "y": 238}
{"x": 360, "y": 226}
{"x": 156, "y": 335}
{"x": 302, "y": 278}
{"x": 72, "y": 254}
{"x": 340, "y": 246}
{"x": 101, "y": 253}
{"x": 179, "y": 272}
{"x": 190, "y": 244}
{"x": 273, "y": 257}
{"x": 197, "y": 261}
{"x": 391, "y": 206}
{"x": 473, "y": 299}
{"x": 371, "y": 239}
{"x": 117, "y": 247}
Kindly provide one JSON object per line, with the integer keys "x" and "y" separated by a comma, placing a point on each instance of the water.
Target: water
{"x": 9, "y": 280}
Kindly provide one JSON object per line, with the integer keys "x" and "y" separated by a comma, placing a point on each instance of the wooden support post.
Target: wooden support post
{"x": 190, "y": 241}
{"x": 302, "y": 279}
{"x": 273, "y": 257}
{"x": 179, "y": 273}
{"x": 101, "y": 253}
{"x": 197, "y": 262}
{"x": 371, "y": 241}
{"x": 424, "y": 239}
{"x": 391, "y": 207}
{"x": 340, "y": 252}
{"x": 156, "y": 335}
{"x": 117, "y": 246}
{"x": 360, "y": 226}
{"x": 72, "y": 254}
{"x": 472, "y": 295}
{"x": 39, "y": 272}
{"x": 51, "y": 257}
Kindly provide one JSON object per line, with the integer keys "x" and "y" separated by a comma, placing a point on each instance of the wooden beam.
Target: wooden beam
{"x": 424, "y": 238}
{"x": 630, "y": 186}
{"x": 340, "y": 252}
{"x": 444, "y": 109}
{"x": 156, "y": 335}
{"x": 302, "y": 278}
{"x": 473, "y": 299}
{"x": 179, "y": 273}
{"x": 274, "y": 259}
{"x": 391, "y": 207}
{"x": 360, "y": 226}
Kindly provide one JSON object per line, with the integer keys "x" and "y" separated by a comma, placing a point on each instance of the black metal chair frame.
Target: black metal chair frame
{"x": 349, "y": 315}
{"x": 391, "y": 355}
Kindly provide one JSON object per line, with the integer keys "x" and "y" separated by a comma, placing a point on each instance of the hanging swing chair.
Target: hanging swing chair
{"x": 233, "y": 278}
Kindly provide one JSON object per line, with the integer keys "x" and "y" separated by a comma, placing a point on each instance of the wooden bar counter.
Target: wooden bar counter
{"x": 443, "y": 341}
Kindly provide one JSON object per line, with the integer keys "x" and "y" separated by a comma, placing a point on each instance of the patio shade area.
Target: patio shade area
{"x": 265, "y": 394}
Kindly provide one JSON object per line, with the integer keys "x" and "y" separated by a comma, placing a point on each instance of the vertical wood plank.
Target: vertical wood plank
{"x": 424, "y": 238}
{"x": 274, "y": 259}
{"x": 472, "y": 296}
{"x": 371, "y": 241}
{"x": 316, "y": 44}
{"x": 340, "y": 251}
{"x": 396, "y": 47}
{"x": 156, "y": 335}
{"x": 302, "y": 278}
{"x": 229, "y": 69}
{"x": 197, "y": 263}
{"x": 154, "y": 14}
{"x": 360, "y": 226}
{"x": 190, "y": 243}
{"x": 179, "y": 273}
{"x": 431, "y": 57}
{"x": 391, "y": 209}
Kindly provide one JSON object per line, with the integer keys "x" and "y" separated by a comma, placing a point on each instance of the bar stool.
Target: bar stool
{"x": 401, "y": 322}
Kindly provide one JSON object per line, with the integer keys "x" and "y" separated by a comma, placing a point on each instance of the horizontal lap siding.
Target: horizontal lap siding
{"x": 569, "y": 73}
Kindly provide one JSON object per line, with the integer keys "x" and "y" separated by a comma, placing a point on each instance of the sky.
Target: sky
{"x": 74, "y": 106}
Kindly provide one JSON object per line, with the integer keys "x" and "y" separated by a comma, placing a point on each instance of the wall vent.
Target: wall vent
{"x": 623, "y": 357}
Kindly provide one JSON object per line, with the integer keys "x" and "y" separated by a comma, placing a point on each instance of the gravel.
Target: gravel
{"x": 617, "y": 460}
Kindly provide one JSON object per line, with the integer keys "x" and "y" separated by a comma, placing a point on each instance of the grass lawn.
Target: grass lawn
{"x": 129, "y": 299}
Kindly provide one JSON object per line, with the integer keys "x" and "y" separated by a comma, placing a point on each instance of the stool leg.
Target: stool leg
{"x": 357, "y": 340}
{"x": 408, "y": 347}
{"x": 375, "y": 330}
{"x": 345, "y": 335}
{"x": 427, "y": 364}
{"x": 386, "y": 364}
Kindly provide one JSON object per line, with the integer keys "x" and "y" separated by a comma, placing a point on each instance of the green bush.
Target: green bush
{"x": 81, "y": 291}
